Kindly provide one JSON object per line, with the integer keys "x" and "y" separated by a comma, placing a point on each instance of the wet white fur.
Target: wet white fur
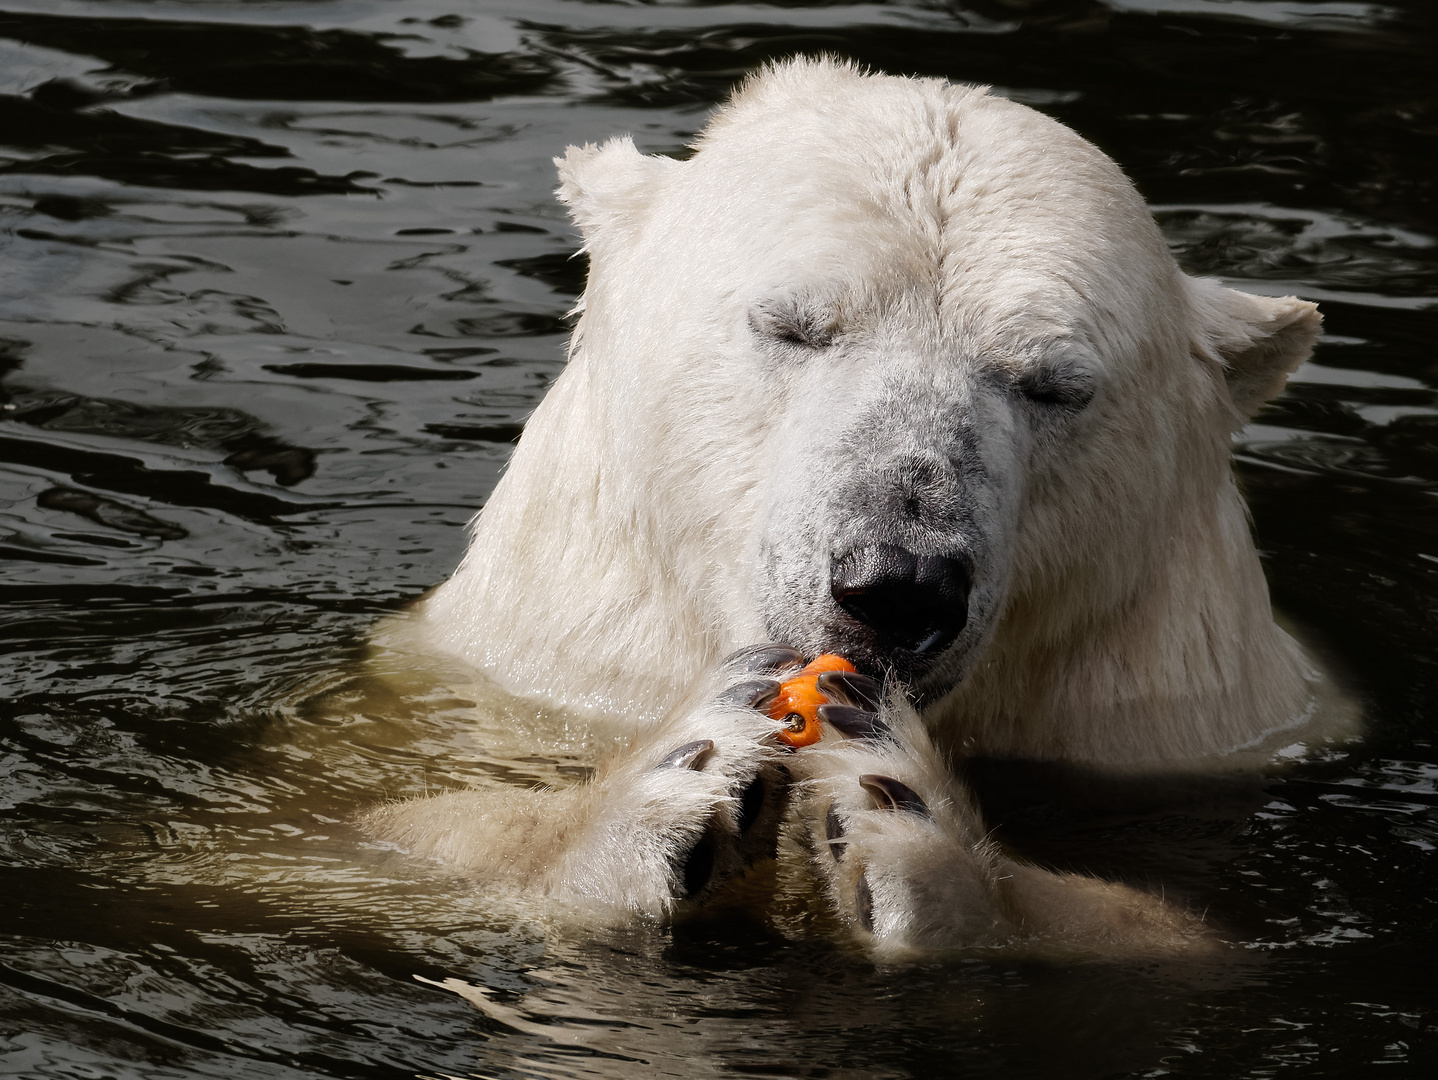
{"x": 937, "y": 883}
{"x": 616, "y": 846}
{"x": 681, "y": 489}
{"x": 610, "y": 843}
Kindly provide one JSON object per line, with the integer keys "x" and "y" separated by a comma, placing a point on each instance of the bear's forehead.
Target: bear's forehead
{"x": 980, "y": 282}
{"x": 894, "y": 197}
{"x": 913, "y": 148}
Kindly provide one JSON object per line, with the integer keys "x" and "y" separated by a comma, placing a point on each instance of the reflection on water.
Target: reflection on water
{"x": 279, "y": 284}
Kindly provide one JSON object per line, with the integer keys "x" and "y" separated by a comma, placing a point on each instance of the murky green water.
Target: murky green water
{"x": 279, "y": 283}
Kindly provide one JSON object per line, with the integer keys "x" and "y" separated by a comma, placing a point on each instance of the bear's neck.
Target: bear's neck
{"x": 1191, "y": 664}
{"x": 630, "y": 636}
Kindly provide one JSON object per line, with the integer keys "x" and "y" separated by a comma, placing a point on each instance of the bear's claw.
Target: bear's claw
{"x": 834, "y": 832}
{"x": 698, "y": 866}
{"x": 751, "y": 694}
{"x": 769, "y": 658}
{"x": 864, "y": 904}
{"x": 853, "y": 723}
{"x": 751, "y": 801}
{"x": 689, "y": 756}
{"x": 851, "y": 688}
{"x": 891, "y": 794}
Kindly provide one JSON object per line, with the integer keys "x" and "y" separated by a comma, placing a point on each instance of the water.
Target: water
{"x": 281, "y": 282}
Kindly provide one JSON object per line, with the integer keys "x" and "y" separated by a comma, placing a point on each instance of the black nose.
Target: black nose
{"x": 917, "y": 603}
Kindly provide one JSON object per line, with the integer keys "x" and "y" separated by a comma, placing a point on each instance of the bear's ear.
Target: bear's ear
{"x": 1258, "y": 340}
{"x": 606, "y": 185}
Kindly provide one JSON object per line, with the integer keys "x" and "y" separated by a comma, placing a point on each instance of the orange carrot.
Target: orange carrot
{"x": 798, "y": 701}
{"x": 828, "y": 662}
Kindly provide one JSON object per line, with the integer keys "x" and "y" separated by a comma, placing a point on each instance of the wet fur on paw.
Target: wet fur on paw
{"x": 663, "y": 824}
{"x": 674, "y": 823}
{"x": 896, "y": 844}
{"x": 900, "y": 850}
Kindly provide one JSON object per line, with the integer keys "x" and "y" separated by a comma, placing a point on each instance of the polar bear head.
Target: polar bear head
{"x": 885, "y": 366}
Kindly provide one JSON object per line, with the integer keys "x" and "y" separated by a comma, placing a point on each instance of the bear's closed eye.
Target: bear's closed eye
{"x": 1061, "y": 386}
{"x": 794, "y": 324}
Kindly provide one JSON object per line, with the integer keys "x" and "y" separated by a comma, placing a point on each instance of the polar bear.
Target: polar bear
{"x": 904, "y": 371}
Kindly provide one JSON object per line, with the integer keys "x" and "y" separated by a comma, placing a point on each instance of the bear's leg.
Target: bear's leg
{"x": 901, "y": 852}
{"x": 691, "y": 803}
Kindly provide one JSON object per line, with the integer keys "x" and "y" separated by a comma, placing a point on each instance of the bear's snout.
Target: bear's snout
{"x": 912, "y": 604}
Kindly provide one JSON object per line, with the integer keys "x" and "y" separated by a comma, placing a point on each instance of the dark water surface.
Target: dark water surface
{"x": 279, "y": 284}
